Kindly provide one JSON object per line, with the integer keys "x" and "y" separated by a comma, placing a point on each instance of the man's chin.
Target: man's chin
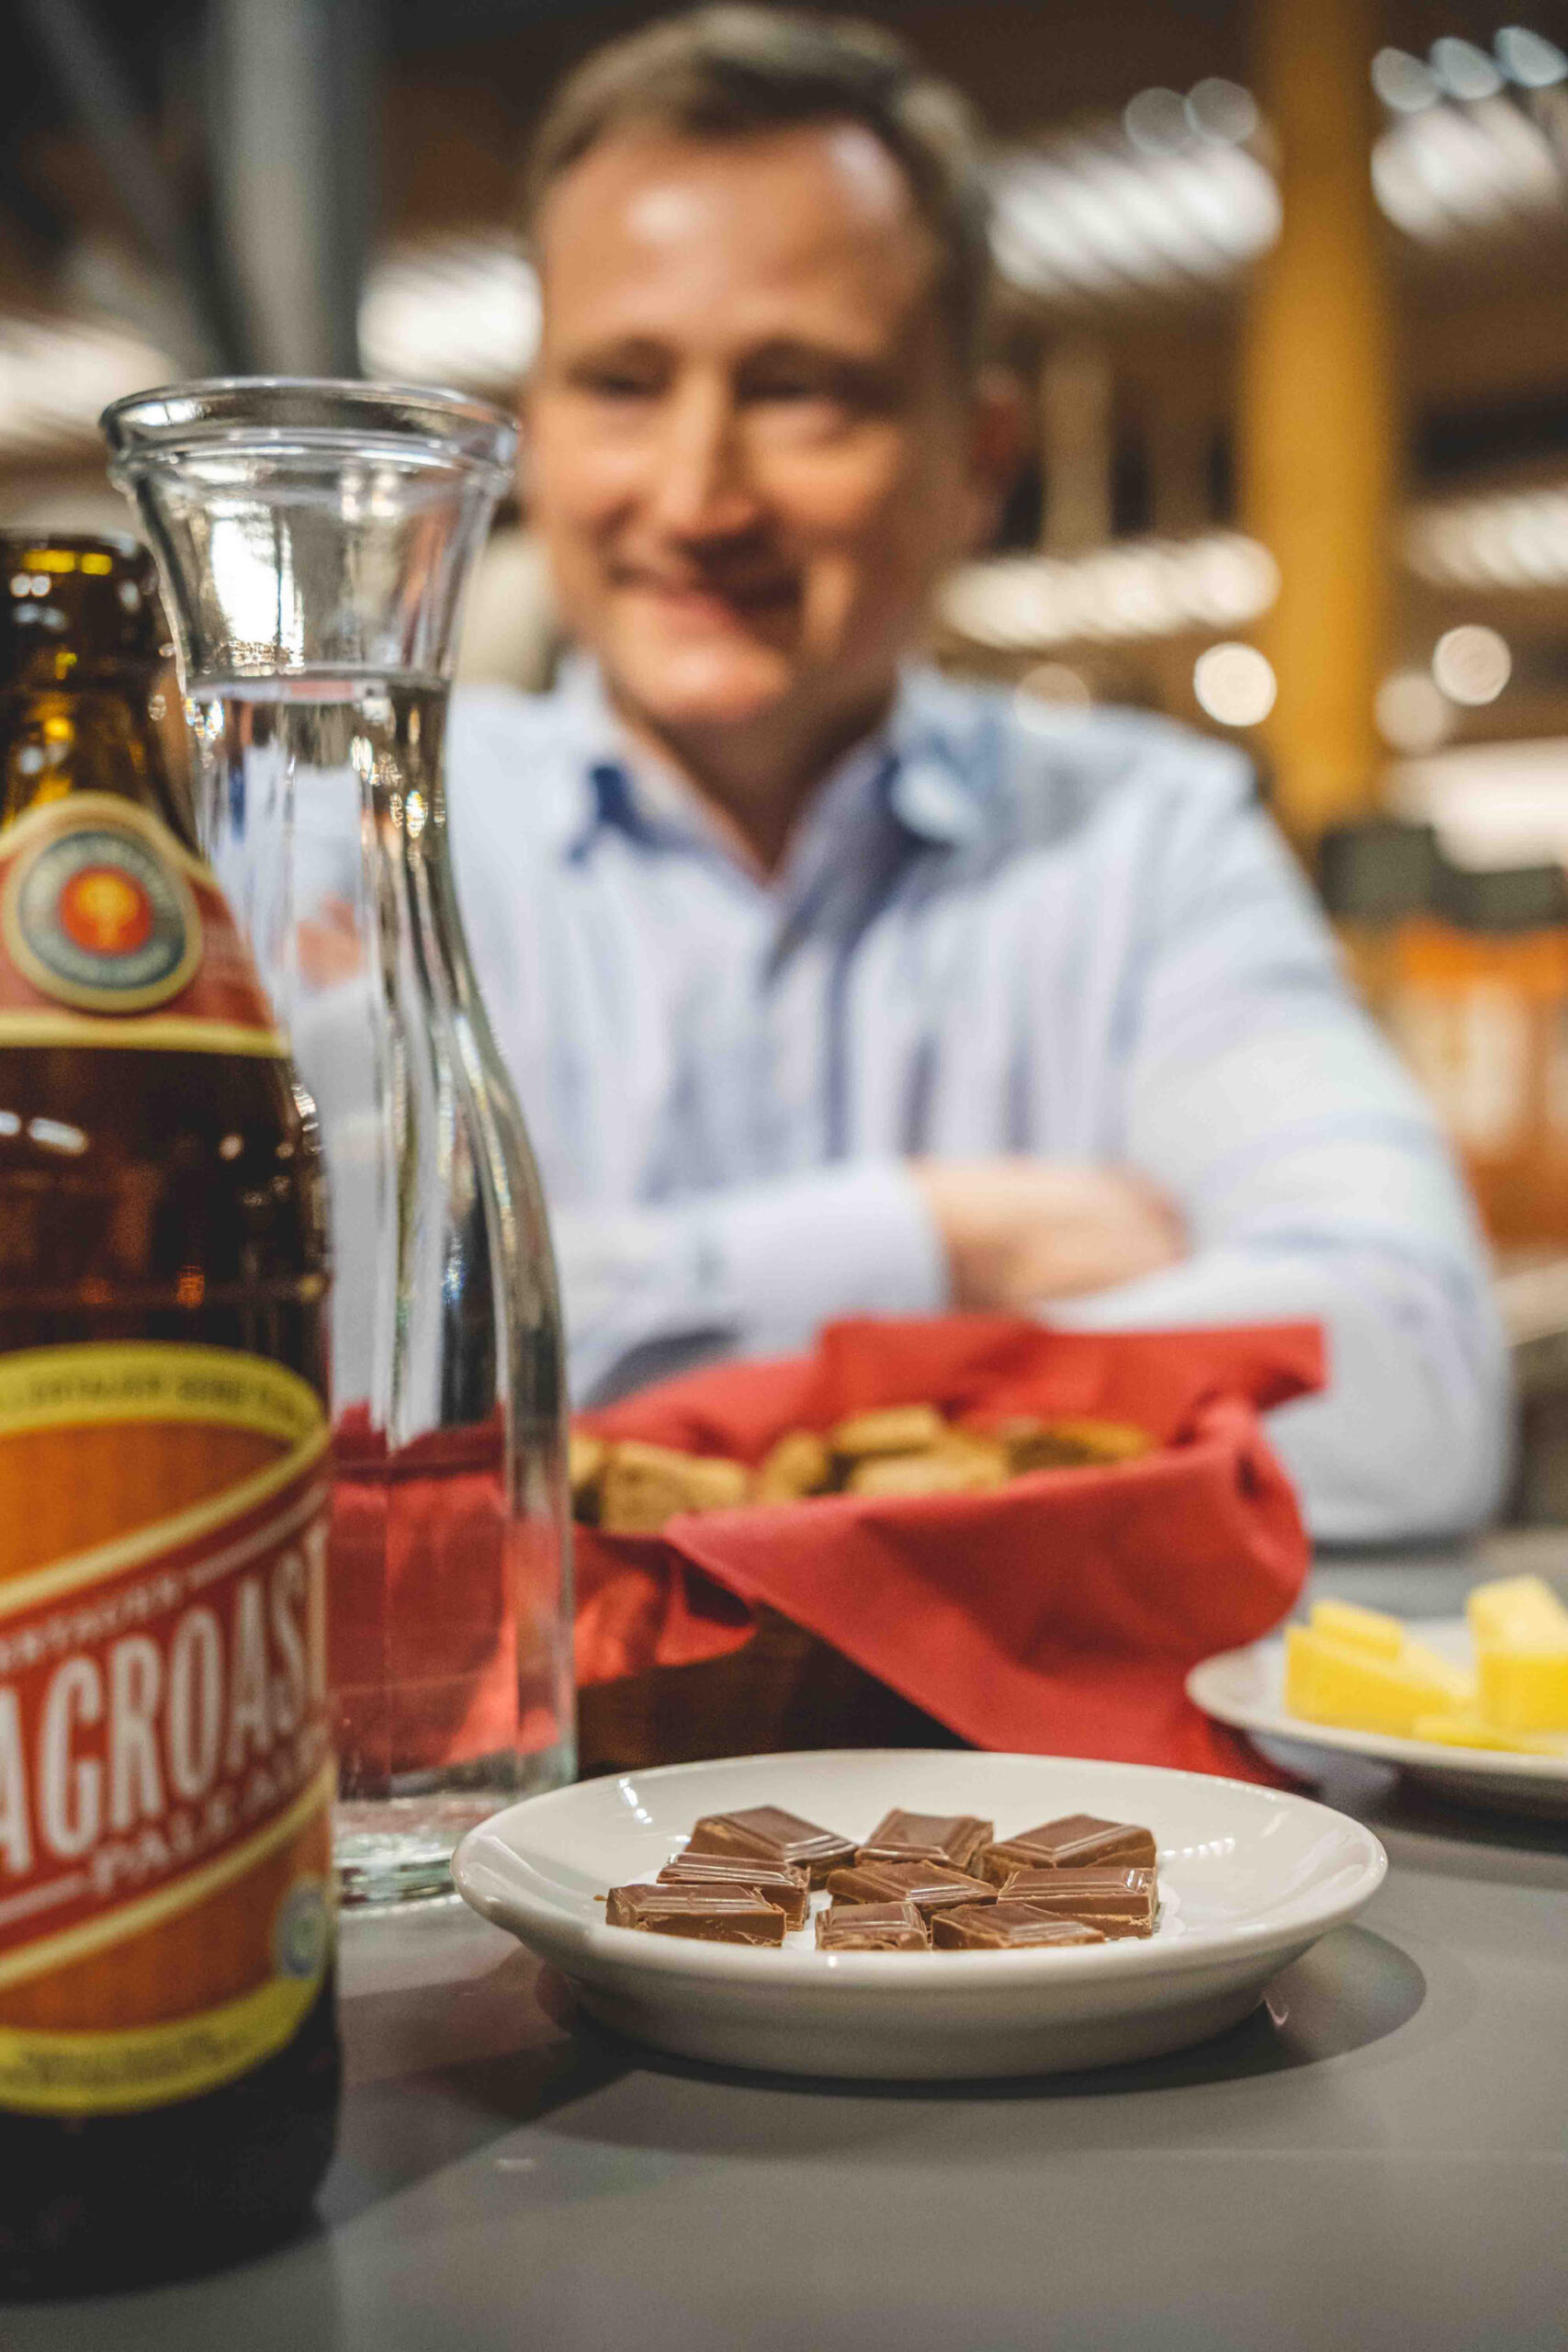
{"x": 674, "y": 691}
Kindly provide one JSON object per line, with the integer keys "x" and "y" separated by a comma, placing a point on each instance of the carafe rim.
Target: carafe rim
{"x": 313, "y": 415}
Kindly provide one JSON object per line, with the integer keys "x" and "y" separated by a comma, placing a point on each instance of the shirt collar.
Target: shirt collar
{"x": 935, "y": 780}
{"x": 942, "y": 780}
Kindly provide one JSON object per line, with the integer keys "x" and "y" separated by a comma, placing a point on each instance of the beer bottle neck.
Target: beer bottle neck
{"x": 89, "y": 700}
{"x": 93, "y": 737}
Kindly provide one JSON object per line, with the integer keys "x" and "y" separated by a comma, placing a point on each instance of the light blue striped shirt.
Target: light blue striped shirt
{"x": 1073, "y": 935}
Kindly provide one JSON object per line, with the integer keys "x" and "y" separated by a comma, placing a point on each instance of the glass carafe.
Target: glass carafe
{"x": 314, "y": 540}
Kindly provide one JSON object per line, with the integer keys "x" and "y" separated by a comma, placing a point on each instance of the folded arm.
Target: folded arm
{"x": 1313, "y": 1182}
{"x": 756, "y": 1270}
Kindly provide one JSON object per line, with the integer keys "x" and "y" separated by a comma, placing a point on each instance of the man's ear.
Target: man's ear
{"x": 998, "y": 430}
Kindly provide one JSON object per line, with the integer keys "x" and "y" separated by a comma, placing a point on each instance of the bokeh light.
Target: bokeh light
{"x": 1054, "y": 686}
{"x": 1412, "y": 713}
{"x": 1403, "y": 82}
{"x": 1472, "y": 664}
{"x": 1235, "y": 683}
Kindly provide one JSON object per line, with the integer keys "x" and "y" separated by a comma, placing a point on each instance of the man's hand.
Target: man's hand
{"x": 1018, "y": 1231}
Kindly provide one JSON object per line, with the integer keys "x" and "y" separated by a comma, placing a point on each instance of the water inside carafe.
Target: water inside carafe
{"x": 325, "y": 820}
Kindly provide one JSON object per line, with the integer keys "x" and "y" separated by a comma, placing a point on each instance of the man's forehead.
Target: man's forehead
{"x": 652, "y": 212}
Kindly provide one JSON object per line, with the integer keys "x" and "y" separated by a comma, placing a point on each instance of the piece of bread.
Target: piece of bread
{"x": 800, "y": 1463}
{"x": 585, "y": 1459}
{"x": 1097, "y": 1441}
{"x": 1070, "y": 1445}
{"x": 986, "y": 1459}
{"x": 642, "y": 1485}
{"x": 942, "y": 1470}
{"x": 891, "y": 1429}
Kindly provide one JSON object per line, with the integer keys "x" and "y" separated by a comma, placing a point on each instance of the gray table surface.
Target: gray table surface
{"x": 1378, "y": 2156}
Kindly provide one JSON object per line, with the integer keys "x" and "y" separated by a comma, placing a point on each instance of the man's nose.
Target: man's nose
{"x": 702, "y": 488}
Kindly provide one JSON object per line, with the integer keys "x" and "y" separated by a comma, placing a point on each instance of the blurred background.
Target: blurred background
{"x": 1287, "y": 282}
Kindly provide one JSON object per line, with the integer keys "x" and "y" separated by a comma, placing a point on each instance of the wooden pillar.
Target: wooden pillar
{"x": 1177, "y": 442}
{"x": 1318, "y": 415}
{"x": 1076, "y": 393}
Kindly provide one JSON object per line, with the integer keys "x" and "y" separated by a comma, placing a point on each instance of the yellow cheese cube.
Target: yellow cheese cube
{"x": 1524, "y": 1684}
{"x": 1328, "y": 1681}
{"x": 1364, "y": 1629}
{"x": 1459, "y": 1684}
{"x": 1514, "y": 1609}
{"x": 1464, "y": 1730}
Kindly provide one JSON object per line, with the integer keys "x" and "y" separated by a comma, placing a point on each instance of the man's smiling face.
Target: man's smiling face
{"x": 749, "y": 438}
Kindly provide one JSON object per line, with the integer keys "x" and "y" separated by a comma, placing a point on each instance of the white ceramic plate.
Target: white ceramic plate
{"x": 1248, "y": 1879}
{"x": 1247, "y": 1688}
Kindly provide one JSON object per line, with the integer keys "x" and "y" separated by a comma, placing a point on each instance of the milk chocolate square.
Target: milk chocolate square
{"x": 1117, "y": 1902}
{"x": 781, "y": 1883}
{"x": 711, "y": 1915}
{"x": 871, "y": 1927}
{"x": 1005, "y": 1927}
{"x": 952, "y": 1838}
{"x": 1076, "y": 1842}
{"x": 930, "y": 1886}
{"x": 769, "y": 1835}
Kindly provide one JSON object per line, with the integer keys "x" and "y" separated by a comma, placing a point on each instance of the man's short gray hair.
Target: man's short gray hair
{"x": 727, "y": 72}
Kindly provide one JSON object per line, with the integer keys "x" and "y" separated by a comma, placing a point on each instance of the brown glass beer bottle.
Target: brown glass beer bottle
{"x": 168, "y": 2057}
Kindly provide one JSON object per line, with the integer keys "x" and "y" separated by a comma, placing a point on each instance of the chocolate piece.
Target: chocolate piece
{"x": 930, "y": 1886}
{"x": 781, "y": 1883}
{"x": 871, "y": 1927}
{"x": 1117, "y": 1902}
{"x": 713, "y": 1915}
{"x": 768, "y": 1835}
{"x": 952, "y": 1838}
{"x": 1076, "y": 1842}
{"x": 1005, "y": 1927}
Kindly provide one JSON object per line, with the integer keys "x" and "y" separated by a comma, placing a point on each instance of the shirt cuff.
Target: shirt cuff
{"x": 856, "y": 1239}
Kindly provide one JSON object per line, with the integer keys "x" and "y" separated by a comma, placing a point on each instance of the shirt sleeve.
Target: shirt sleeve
{"x": 1313, "y": 1179}
{"x": 648, "y": 1291}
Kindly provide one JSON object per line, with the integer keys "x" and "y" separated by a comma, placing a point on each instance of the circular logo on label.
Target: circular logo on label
{"x": 98, "y": 917}
{"x": 302, "y": 1929}
{"x": 106, "y": 911}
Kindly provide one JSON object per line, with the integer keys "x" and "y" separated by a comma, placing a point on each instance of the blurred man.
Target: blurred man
{"x": 831, "y": 987}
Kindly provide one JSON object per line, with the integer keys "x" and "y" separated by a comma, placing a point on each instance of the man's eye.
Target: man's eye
{"x": 795, "y": 390}
{"x": 615, "y": 383}
{"x": 825, "y": 393}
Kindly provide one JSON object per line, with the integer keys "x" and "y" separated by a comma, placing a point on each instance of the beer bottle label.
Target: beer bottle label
{"x": 165, "y": 1786}
{"x": 113, "y": 933}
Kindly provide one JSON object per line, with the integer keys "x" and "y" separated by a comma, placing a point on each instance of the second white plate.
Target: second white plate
{"x": 1246, "y": 1689}
{"x": 1249, "y": 1877}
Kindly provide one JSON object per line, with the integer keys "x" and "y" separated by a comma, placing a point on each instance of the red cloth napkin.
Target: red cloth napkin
{"x": 424, "y": 1578}
{"x": 1057, "y": 1615}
